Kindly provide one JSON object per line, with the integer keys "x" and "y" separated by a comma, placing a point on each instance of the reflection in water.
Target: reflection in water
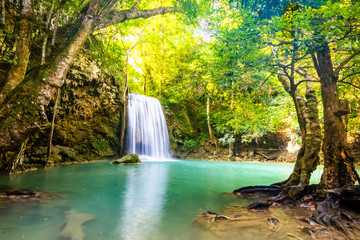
{"x": 143, "y": 201}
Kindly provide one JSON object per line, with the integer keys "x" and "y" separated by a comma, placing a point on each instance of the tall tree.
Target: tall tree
{"x": 335, "y": 30}
{"x": 316, "y": 35}
{"x": 17, "y": 71}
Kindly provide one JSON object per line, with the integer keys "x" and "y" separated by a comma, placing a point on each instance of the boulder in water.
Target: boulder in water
{"x": 128, "y": 159}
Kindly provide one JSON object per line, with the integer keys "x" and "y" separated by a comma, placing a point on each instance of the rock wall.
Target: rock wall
{"x": 88, "y": 116}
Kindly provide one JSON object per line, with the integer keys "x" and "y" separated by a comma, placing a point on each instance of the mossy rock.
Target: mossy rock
{"x": 128, "y": 159}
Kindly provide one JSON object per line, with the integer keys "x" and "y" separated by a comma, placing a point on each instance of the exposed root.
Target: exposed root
{"x": 16, "y": 164}
{"x": 334, "y": 210}
{"x": 292, "y": 235}
{"x": 259, "y": 205}
{"x": 271, "y": 190}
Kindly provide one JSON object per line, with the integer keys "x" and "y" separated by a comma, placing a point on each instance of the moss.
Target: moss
{"x": 56, "y": 159}
{"x": 128, "y": 159}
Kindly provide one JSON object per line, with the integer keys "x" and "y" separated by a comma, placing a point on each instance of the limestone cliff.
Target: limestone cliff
{"x": 87, "y": 120}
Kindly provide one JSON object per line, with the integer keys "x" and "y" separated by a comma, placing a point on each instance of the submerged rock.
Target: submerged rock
{"x": 128, "y": 159}
{"x": 73, "y": 226}
{"x": 22, "y": 193}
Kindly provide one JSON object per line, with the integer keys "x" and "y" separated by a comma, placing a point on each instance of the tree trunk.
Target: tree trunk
{"x": 16, "y": 164}
{"x": 231, "y": 149}
{"x": 187, "y": 118}
{"x": 17, "y": 71}
{"x": 123, "y": 127}
{"x": 308, "y": 118}
{"x": 56, "y": 26}
{"x": 123, "y": 112}
{"x": 3, "y": 17}
{"x": 339, "y": 169}
{"x": 52, "y": 126}
{"x": 213, "y": 139}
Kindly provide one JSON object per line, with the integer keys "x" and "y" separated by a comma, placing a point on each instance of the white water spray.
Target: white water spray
{"x": 147, "y": 132}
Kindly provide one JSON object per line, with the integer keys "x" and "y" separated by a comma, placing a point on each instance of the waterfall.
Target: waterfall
{"x": 147, "y": 132}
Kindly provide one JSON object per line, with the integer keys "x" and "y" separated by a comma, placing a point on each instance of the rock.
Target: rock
{"x": 270, "y": 190}
{"x": 22, "y": 193}
{"x": 73, "y": 226}
{"x": 87, "y": 119}
{"x": 272, "y": 221}
{"x": 128, "y": 159}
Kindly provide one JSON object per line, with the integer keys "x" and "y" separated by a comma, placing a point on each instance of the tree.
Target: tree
{"x": 331, "y": 34}
{"x": 254, "y": 44}
{"x": 306, "y": 36}
{"x": 306, "y": 107}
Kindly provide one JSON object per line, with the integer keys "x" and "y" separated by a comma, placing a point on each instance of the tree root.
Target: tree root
{"x": 271, "y": 190}
{"x": 335, "y": 209}
{"x": 291, "y": 235}
{"x": 16, "y": 163}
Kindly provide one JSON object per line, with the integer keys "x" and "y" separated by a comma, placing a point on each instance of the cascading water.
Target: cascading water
{"x": 147, "y": 132}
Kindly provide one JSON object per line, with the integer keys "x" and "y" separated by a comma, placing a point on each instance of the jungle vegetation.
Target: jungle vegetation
{"x": 241, "y": 68}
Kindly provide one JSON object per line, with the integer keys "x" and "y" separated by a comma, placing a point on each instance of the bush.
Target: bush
{"x": 189, "y": 144}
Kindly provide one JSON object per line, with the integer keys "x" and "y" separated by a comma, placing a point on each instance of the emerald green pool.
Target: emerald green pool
{"x": 154, "y": 200}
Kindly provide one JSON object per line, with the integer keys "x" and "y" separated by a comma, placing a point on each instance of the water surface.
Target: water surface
{"x": 154, "y": 200}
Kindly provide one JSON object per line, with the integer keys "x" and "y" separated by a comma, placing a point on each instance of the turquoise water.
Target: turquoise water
{"x": 154, "y": 200}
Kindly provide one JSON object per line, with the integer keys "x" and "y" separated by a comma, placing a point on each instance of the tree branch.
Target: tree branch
{"x": 350, "y": 75}
{"x": 303, "y": 73}
{"x": 265, "y": 80}
{"x": 348, "y": 83}
{"x": 338, "y": 69}
{"x": 276, "y": 45}
{"x": 141, "y": 33}
{"x": 114, "y": 16}
{"x": 305, "y": 80}
{"x": 315, "y": 61}
{"x": 136, "y": 4}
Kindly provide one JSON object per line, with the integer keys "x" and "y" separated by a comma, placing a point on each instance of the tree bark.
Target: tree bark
{"x": 56, "y": 26}
{"x": 308, "y": 118}
{"x": 52, "y": 126}
{"x": 46, "y": 34}
{"x": 213, "y": 139}
{"x": 19, "y": 121}
{"x": 3, "y": 17}
{"x": 16, "y": 164}
{"x": 339, "y": 168}
{"x": 123, "y": 127}
{"x": 17, "y": 71}
{"x": 123, "y": 112}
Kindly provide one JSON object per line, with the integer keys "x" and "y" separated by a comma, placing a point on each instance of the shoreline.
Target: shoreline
{"x": 34, "y": 168}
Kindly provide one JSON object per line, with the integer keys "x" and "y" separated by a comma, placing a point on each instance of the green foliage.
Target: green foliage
{"x": 189, "y": 144}
{"x": 235, "y": 67}
{"x": 101, "y": 145}
{"x": 249, "y": 121}
{"x": 8, "y": 39}
{"x": 71, "y": 154}
{"x": 227, "y": 139}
